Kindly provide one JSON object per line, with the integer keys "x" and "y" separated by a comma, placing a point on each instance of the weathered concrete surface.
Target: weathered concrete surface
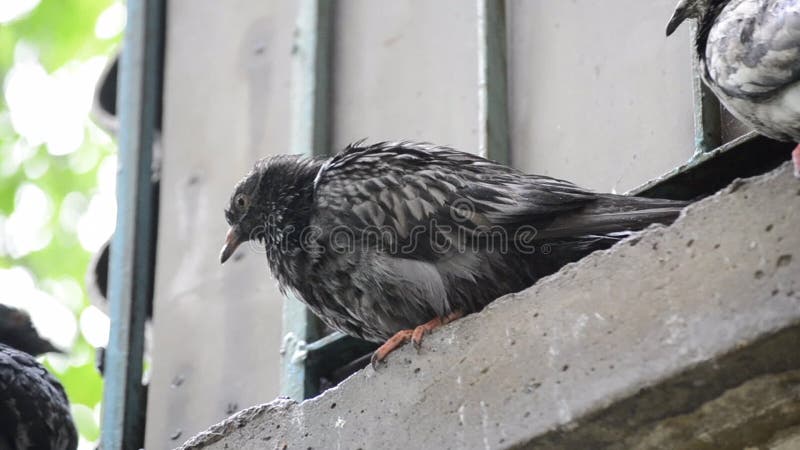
{"x": 682, "y": 337}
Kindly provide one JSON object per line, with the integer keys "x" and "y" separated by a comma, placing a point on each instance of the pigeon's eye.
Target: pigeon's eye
{"x": 242, "y": 202}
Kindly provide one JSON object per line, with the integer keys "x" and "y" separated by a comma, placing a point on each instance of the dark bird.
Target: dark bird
{"x": 17, "y": 331}
{"x": 749, "y": 54}
{"x": 34, "y": 410}
{"x": 387, "y": 242}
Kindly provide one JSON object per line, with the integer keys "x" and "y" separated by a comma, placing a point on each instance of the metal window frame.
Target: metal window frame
{"x": 310, "y": 135}
{"x": 707, "y": 117}
{"x": 131, "y": 265}
{"x": 494, "y": 133}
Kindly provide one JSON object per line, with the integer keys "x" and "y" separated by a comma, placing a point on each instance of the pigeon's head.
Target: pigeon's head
{"x": 243, "y": 212}
{"x": 686, "y": 9}
{"x": 17, "y": 331}
{"x": 269, "y": 201}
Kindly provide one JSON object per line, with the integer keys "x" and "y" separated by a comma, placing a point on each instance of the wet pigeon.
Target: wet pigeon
{"x": 387, "y": 242}
{"x": 34, "y": 410}
{"x": 749, "y": 53}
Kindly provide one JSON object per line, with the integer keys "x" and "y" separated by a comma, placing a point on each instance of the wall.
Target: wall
{"x": 217, "y": 328}
{"x": 598, "y": 94}
{"x": 406, "y": 70}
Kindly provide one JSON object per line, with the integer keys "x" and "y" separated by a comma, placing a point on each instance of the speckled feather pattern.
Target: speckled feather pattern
{"x": 415, "y": 218}
{"x": 33, "y": 406}
{"x": 750, "y": 51}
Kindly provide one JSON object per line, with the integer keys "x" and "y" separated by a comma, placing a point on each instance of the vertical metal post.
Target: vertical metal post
{"x": 707, "y": 121}
{"x": 493, "y": 125}
{"x": 310, "y": 136}
{"x": 130, "y": 264}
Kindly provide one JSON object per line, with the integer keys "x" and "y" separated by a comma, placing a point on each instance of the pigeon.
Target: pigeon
{"x": 749, "y": 54}
{"x": 389, "y": 241}
{"x": 17, "y": 331}
{"x": 34, "y": 408}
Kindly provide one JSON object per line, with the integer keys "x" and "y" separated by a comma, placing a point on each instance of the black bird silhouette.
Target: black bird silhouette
{"x": 17, "y": 331}
{"x": 749, "y": 54}
{"x": 34, "y": 410}
{"x": 387, "y": 242}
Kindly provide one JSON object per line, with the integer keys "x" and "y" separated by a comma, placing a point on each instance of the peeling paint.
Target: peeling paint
{"x": 288, "y": 339}
{"x": 580, "y": 324}
{"x": 300, "y": 353}
{"x": 452, "y": 337}
{"x": 340, "y": 422}
{"x": 676, "y": 327}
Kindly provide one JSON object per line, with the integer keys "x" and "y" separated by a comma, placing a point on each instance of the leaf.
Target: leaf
{"x": 63, "y": 30}
{"x": 83, "y": 383}
{"x": 8, "y": 40}
{"x": 84, "y": 420}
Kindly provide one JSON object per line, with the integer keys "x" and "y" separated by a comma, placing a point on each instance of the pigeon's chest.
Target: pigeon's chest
{"x": 777, "y": 117}
{"x": 354, "y": 290}
{"x": 751, "y": 60}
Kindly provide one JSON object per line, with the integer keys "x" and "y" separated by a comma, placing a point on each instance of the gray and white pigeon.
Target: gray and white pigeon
{"x": 749, "y": 53}
{"x": 387, "y": 242}
{"x": 34, "y": 410}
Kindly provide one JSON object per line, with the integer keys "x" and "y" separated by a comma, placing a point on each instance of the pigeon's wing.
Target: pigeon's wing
{"x": 407, "y": 190}
{"x": 408, "y": 209}
{"x": 753, "y": 49}
{"x": 404, "y": 213}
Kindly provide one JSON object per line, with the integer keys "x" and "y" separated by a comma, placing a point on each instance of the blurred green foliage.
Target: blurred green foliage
{"x": 61, "y": 32}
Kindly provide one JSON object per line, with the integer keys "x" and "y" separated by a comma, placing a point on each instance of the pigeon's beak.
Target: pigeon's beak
{"x": 52, "y": 348}
{"x": 232, "y": 240}
{"x": 677, "y": 18}
{"x": 39, "y": 346}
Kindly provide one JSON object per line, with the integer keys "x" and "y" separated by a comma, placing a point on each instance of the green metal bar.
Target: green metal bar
{"x": 130, "y": 261}
{"x": 707, "y": 120}
{"x": 310, "y": 136}
{"x": 493, "y": 125}
{"x": 745, "y": 156}
{"x": 335, "y": 350}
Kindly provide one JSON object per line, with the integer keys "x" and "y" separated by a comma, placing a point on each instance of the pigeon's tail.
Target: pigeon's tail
{"x": 613, "y": 216}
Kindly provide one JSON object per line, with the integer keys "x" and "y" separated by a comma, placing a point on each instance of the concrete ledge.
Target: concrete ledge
{"x": 686, "y": 336}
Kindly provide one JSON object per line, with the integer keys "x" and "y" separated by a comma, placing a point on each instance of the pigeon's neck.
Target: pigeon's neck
{"x": 290, "y": 191}
{"x": 290, "y": 196}
{"x": 705, "y": 23}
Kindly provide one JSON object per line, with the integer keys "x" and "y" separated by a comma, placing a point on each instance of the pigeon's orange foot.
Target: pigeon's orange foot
{"x": 426, "y": 328}
{"x": 796, "y": 160}
{"x": 391, "y": 344}
{"x": 415, "y": 335}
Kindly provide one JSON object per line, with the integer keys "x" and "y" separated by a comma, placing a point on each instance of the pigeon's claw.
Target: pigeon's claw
{"x": 420, "y": 331}
{"x": 391, "y": 344}
{"x": 796, "y": 160}
{"x": 415, "y": 336}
